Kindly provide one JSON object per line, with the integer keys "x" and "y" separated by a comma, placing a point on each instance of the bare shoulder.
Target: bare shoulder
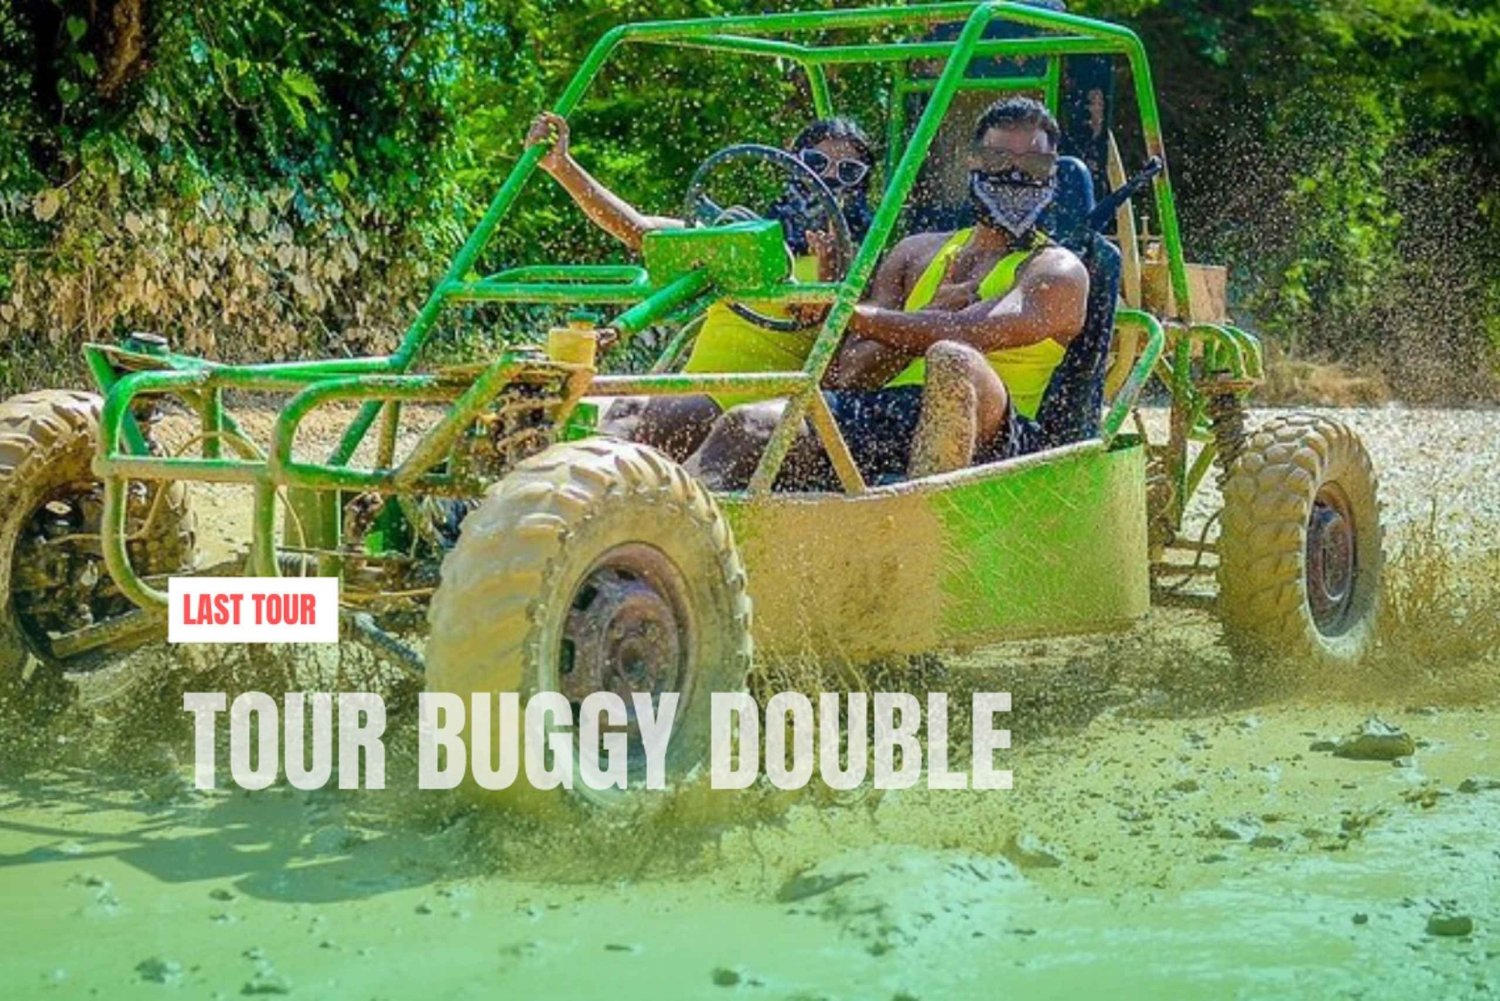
{"x": 921, "y": 246}
{"x": 1058, "y": 264}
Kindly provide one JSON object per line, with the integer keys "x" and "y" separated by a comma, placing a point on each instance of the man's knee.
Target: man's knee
{"x": 952, "y": 365}
{"x": 954, "y": 358}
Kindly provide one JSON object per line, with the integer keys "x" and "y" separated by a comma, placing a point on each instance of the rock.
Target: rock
{"x": 1449, "y": 924}
{"x": 1376, "y": 740}
{"x": 334, "y": 839}
{"x": 1242, "y": 828}
{"x": 1361, "y": 918}
{"x": 811, "y": 883}
{"x": 1479, "y": 783}
{"x": 723, "y": 976}
{"x": 1267, "y": 841}
{"x": 1405, "y": 761}
{"x": 1028, "y": 851}
{"x": 266, "y": 982}
{"x": 159, "y": 971}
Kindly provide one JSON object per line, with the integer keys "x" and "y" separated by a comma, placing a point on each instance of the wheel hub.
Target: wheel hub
{"x": 58, "y": 582}
{"x": 626, "y": 629}
{"x": 1331, "y": 562}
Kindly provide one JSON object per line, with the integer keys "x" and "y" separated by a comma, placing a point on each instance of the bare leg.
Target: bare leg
{"x": 729, "y": 455}
{"x": 675, "y": 424}
{"x": 963, "y": 404}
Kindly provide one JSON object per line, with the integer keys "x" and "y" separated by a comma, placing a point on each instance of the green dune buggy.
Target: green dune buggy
{"x": 588, "y": 563}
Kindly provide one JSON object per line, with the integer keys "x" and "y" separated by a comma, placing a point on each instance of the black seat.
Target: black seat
{"x": 1069, "y": 211}
{"x": 1070, "y": 408}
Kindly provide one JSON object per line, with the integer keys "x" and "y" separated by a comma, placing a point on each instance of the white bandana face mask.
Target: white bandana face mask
{"x": 1012, "y": 200}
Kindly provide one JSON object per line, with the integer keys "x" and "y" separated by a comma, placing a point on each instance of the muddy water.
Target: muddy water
{"x": 1169, "y": 835}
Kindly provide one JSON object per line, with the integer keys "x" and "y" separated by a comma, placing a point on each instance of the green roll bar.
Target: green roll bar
{"x": 383, "y": 382}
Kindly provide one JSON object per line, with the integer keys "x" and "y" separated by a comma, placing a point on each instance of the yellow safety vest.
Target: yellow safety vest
{"x": 728, "y": 342}
{"x": 1025, "y": 370}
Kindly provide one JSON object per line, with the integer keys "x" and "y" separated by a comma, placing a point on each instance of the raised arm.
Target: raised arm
{"x": 605, "y": 209}
{"x": 1048, "y": 301}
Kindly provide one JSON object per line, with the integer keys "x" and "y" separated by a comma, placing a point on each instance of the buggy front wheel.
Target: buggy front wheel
{"x": 593, "y": 566}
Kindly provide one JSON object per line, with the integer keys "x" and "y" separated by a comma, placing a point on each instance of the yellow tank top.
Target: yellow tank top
{"x": 728, "y": 342}
{"x": 1026, "y": 370}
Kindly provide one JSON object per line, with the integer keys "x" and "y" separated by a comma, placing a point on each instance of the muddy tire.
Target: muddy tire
{"x": 596, "y": 565}
{"x": 48, "y": 490}
{"x": 1300, "y": 549}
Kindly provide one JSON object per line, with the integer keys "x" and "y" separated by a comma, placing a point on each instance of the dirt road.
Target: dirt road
{"x": 1169, "y": 834}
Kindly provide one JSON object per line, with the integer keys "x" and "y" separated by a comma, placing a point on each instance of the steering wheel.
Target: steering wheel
{"x": 698, "y": 209}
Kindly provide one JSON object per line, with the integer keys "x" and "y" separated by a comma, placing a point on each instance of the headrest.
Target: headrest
{"x": 1075, "y": 198}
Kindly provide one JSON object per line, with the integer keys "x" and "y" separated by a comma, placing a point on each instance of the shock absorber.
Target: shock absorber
{"x": 1226, "y": 415}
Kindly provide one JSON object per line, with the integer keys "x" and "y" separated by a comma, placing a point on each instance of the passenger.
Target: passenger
{"x": 960, "y": 331}
{"x": 840, "y": 154}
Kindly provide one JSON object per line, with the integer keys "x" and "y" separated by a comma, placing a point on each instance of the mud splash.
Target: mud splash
{"x": 1171, "y": 833}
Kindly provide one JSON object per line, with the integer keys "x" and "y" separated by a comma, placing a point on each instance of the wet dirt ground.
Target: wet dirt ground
{"x": 1171, "y": 834}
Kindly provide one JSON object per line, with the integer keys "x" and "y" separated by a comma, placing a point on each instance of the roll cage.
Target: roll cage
{"x": 384, "y": 383}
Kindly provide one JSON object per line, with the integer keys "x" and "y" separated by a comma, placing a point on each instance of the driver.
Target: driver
{"x": 838, "y": 151}
{"x": 946, "y": 361}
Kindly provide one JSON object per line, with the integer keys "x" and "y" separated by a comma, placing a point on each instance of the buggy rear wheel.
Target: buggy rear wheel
{"x": 596, "y": 566}
{"x": 1300, "y": 553}
{"x": 52, "y": 575}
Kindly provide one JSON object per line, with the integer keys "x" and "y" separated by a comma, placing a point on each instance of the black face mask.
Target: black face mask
{"x": 1011, "y": 200}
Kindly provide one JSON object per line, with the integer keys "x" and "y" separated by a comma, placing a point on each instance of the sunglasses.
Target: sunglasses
{"x": 846, "y": 172}
{"x": 1017, "y": 168}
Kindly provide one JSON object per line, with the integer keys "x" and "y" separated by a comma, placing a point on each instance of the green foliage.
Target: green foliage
{"x": 271, "y": 177}
{"x": 1342, "y": 156}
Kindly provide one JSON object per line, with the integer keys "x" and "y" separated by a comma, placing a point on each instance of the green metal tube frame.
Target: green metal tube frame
{"x": 365, "y": 378}
{"x": 1130, "y": 391}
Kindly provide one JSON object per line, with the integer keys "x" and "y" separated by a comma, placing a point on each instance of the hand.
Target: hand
{"x": 825, "y": 248}
{"x": 954, "y": 296}
{"x": 809, "y": 314}
{"x": 549, "y": 129}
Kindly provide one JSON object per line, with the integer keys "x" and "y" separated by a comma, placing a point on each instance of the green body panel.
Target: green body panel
{"x": 739, "y": 257}
{"x": 1047, "y": 544}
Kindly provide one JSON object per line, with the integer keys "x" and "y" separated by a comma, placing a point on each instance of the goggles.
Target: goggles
{"x": 847, "y": 172}
{"x": 1034, "y": 170}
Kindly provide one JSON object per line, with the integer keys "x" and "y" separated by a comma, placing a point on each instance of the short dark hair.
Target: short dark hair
{"x": 836, "y": 128}
{"x": 1012, "y": 112}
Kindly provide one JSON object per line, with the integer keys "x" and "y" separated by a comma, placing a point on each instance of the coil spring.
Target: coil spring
{"x": 1226, "y": 416}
